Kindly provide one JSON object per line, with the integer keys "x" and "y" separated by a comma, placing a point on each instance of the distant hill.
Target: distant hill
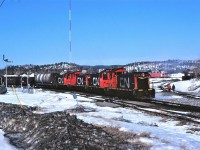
{"x": 169, "y": 66}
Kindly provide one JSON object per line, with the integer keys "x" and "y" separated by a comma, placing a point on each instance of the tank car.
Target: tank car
{"x": 47, "y": 79}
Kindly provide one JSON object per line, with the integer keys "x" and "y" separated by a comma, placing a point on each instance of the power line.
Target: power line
{"x": 2, "y": 3}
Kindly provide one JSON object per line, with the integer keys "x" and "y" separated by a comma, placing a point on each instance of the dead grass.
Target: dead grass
{"x": 145, "y": 134}
{"x": 197, "y": 129}
{"x": 194, "y": 130}
{"x": 130, "y": 137}
{"x": 163, "y": 120}
{"x": 181, "y": 123}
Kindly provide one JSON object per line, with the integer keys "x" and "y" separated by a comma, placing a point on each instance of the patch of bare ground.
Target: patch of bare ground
{"x": 194, "y": 130}
{"x": 164, "y": 120}
{"x": 181, "y": 123}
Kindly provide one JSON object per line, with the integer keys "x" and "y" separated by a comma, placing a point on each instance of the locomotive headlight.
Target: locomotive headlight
{"x": 142, "y": 74}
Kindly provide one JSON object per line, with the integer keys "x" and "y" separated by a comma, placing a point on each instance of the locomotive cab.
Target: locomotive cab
{"x": 71, "y": 78}
{"x": 113, "y": 76}
{"x": 108, "y": 78}
{"x": 137, "y": 82}
{"x": 105, "y": 78}
{"x": 142, "y": 85}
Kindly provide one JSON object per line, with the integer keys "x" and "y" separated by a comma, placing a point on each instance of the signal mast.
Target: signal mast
{"x": 70, "y": 33}
{"x": 6, "y": 62}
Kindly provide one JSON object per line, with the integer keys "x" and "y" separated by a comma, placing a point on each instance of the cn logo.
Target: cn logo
{"x": 124, "y": 82}
{"x": 60, "y": 80}
{"x": 79, "y": 81}
{"x": 95, "y": 81}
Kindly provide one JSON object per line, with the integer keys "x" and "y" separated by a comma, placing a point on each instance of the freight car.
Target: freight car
{"x": 17, "y": 80}
{"x": 188, "y": 76}
{"x": 12, "y": 80}
{"x": 111, "y": 82}
{"x": 47, "y": 79}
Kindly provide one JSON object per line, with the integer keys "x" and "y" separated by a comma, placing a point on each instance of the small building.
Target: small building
{"x": 176, "y": 75}
{"x": 158, "y": 74}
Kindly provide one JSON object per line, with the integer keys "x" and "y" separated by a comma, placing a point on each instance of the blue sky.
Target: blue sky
{"x": 103, "y": 31}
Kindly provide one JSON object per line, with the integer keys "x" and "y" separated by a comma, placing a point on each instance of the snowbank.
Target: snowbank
{"x": 189, "y": 86}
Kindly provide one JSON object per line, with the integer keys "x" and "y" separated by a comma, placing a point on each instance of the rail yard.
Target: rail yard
{"x": 145, "y": 123}
{"x": 112, "y": 75}
{"x": 131, "y": 110}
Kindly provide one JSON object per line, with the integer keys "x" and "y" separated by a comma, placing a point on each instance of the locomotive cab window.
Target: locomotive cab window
{"x": 105, "y": 76}
{"x": 68, "y": 76}
{"x": 110, "y": 75}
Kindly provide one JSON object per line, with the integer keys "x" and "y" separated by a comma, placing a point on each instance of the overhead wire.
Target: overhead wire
{"x": 2, "y": 3}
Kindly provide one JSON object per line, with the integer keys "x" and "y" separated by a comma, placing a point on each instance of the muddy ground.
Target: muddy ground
{"x": 57, "y": 131}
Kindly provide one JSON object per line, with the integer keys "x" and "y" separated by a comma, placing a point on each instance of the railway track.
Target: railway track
{"x": 166, "y": 109}
{"x": 180, "y": 111}
{"x": 163, "y": 108}
{"x": 187, "y": 95}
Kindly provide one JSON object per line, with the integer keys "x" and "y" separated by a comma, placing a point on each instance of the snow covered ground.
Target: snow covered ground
{"x": 188, "y": 86}
{"x": 5, "y": 143}
{"x": 158, "y": 132}
{"x": 191, "y": 87}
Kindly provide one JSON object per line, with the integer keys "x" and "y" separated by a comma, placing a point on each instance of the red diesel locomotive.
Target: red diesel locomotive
{"x": 110, "y": 82}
